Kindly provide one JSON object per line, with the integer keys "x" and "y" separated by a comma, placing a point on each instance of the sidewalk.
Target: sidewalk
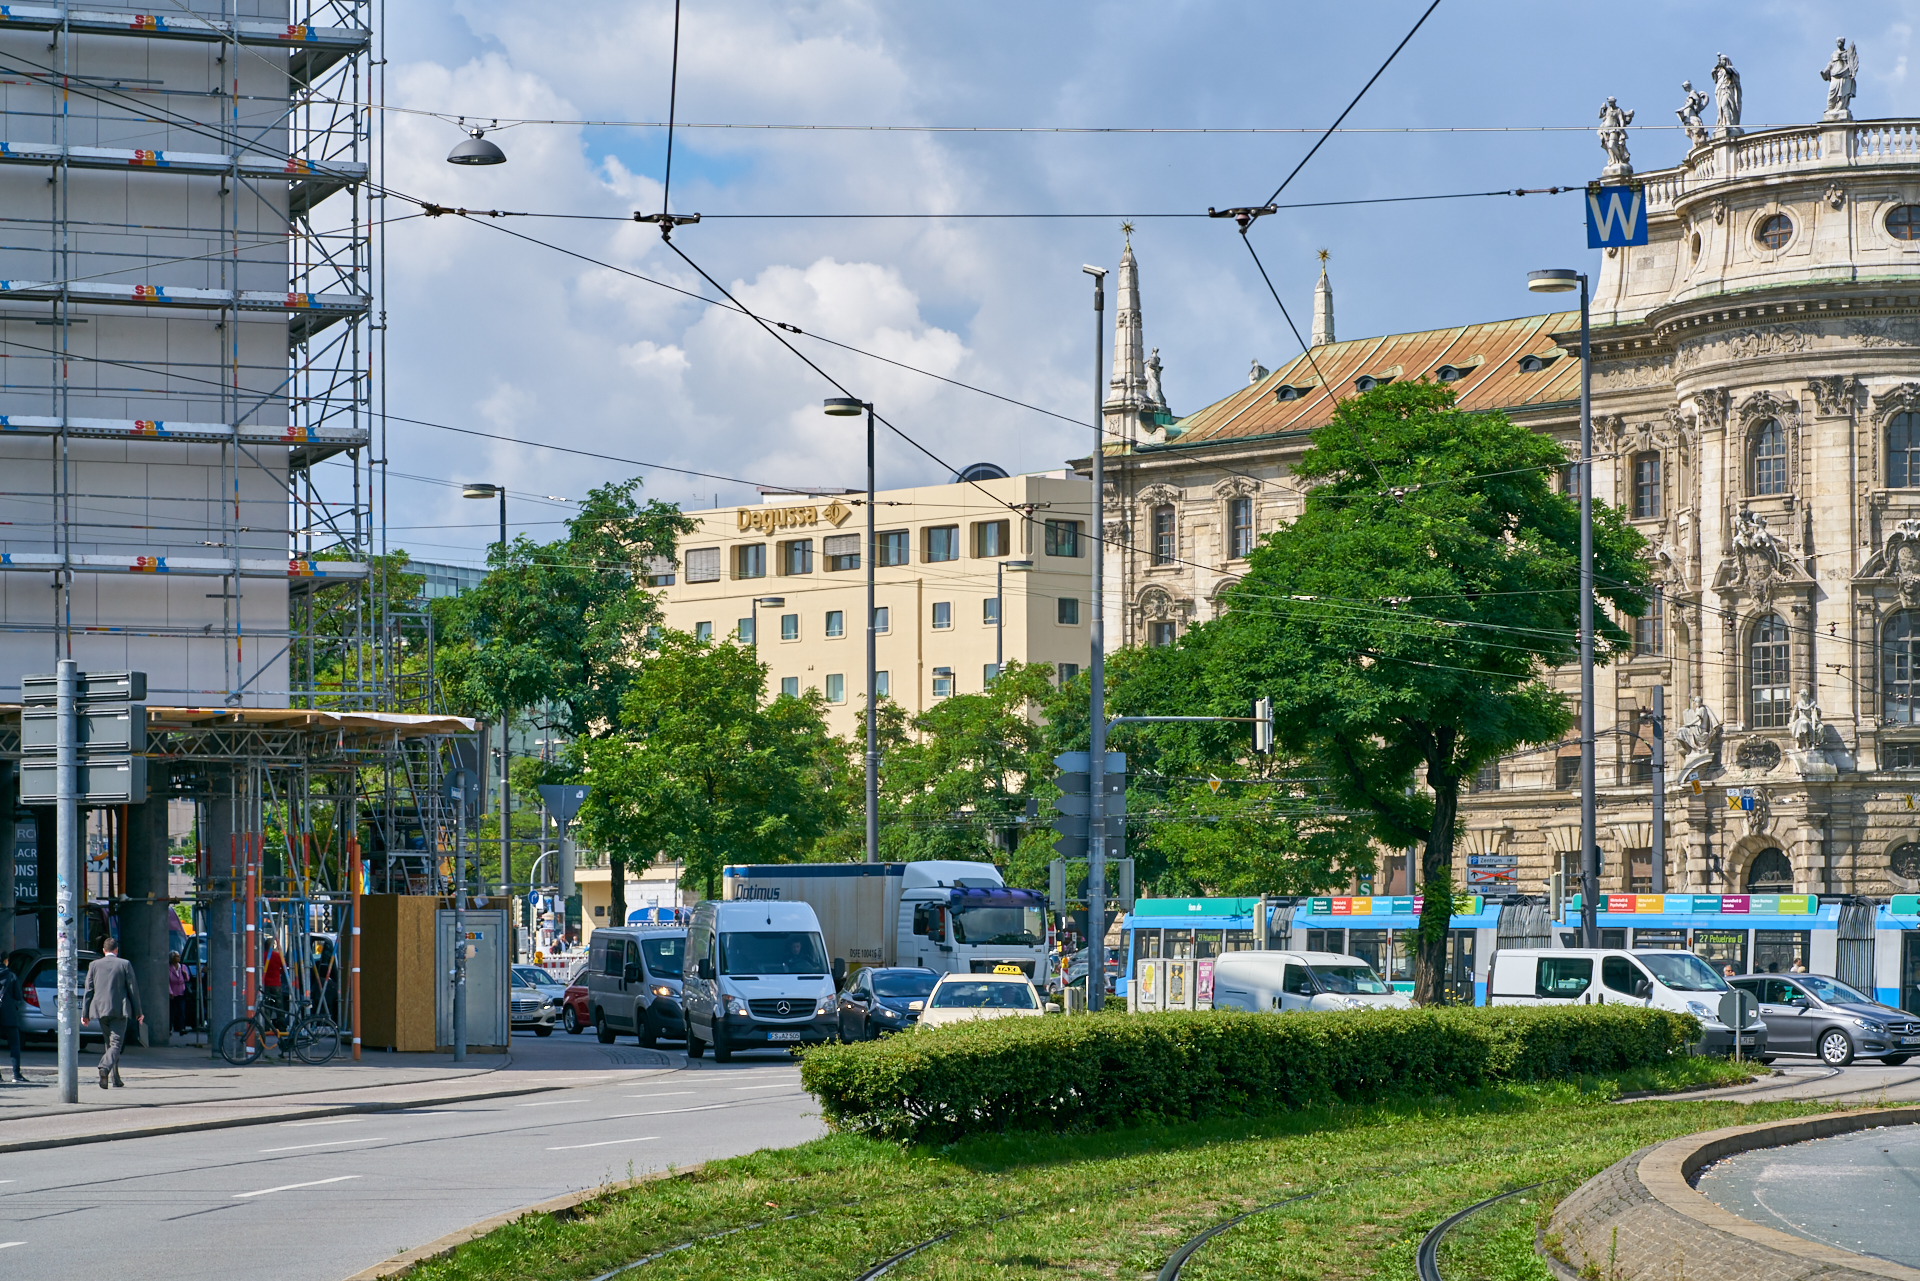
{"x": 175, "y": 1089}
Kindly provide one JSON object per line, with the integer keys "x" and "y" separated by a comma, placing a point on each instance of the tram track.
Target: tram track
{"x": 1179, "y": 1259}
{"x": 1426, "y": 1260}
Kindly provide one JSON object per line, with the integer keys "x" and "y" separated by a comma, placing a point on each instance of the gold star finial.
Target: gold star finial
{"x": 1323, "y": 258}
{"x": 1126, "y": 229}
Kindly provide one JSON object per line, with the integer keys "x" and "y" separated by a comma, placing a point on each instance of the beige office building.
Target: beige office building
{"x": 941, "y": 549}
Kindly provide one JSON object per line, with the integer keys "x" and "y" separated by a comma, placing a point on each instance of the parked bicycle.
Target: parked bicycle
{"x": 311, "y": 1038}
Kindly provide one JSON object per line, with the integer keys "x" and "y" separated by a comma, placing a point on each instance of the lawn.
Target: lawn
{"x": 1116, "y": 1204}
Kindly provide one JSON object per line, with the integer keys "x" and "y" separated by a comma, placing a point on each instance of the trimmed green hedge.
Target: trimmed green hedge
{"x": 1116, "y": 1069}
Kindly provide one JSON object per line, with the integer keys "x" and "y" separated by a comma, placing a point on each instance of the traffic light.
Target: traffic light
{"x": 1263, "y": 726}
{"x": 1075, "y": 803}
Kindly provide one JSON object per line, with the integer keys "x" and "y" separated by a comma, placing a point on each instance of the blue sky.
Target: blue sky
{"x": 517, "y": 339}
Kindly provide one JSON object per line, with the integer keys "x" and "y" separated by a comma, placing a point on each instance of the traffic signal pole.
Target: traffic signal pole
{"x": 67, "y": 867}
{"x": 1097, "y": 672}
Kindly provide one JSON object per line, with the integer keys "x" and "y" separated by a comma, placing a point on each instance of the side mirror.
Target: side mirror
{"x": 706, "y": 969}
{"x": 839, "y": 971}
{"x": 1053, "y": 1007}
{"x": 632, "y": 974}
{"x": 1642, "y": 990}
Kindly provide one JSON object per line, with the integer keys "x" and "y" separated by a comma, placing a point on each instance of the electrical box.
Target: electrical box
{"x": 1149, "y": 981}
{"x": 488, "y": 954}
{"x": 1178, "y": 991}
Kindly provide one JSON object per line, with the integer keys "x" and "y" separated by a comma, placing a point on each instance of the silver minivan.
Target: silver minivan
{"x": 633, "y": 979}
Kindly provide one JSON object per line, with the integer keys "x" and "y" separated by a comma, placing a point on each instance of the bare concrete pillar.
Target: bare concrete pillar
{"x": 224, "y": 928}
{"x": 144, "y": 911}
{"x": 7, "y": 776}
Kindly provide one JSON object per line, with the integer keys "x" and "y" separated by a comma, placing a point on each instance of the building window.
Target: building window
{"x": 990, "y": 611}
{"x": 659, "y": 571}
{"x": 842, "y": 551}
{"x": 1068, "y": 671}
{"x": 789, "y": 687}
{"x": 990, "y": 538}
{"x": 1649, "y": 630}
{"x": 1899, "y": 756}
{"x": 796, "y": 557}
{"x": 790, "y": 627}
{"x": 703, "y": 565}
{"x": 943, "y": 543}
{"x": 890, "y": 547}
{"x": 1063, "y": 538}
{"x": 1774, "y": 231}
{"x": 1566, "y": 772}
{"x": 1903, "y": 451}
{"x": 1900, "y": 668}
{"x": 1769, "y": 873}
{"x": 989, "y": 672}
{"x": 1240, "y": 529}
{"x": 1163, "y": 535}
{"x": 1159, "y": 634}
{"x": 1640, "y": 871}
{"x": 1904, "y": 861}
{"x": 750, "y": 560}
{"x": 744, "y": 630}
{"x": 1646, "y": 487}
{"x": 1903, "y": 222}
{"x": 836, "y": 623}
{"x": 943, "y": 682}
{"x": 1570, "y": 480}
{"x": 1067, "y": 611}
{"x": 942, "y": 615}
{"x": 882, "y": 685}
{"x": 1639, "y": 770}
{"x": 703, "y": 631}
{"x": 1770, "y": 666}
{"x": 1487, "y": 779}
{"x": 836, "y": 687}
{"x": 882, "y": 619}
{"x": 1770, "y": 459}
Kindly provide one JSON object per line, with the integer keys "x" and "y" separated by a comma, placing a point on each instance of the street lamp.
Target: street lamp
{"x": 483, "y": 489}
{"x": 1097, "y": 680}
{"x": 771, "y": 602}
{"x": 475, "y": 149}
{"x": 1559, "y": 281}
{"x": 853, "y": 407}
{"x": 1000, "y": 607}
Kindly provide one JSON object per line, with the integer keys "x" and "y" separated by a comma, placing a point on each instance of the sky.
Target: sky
{"x": 494, "y": 327}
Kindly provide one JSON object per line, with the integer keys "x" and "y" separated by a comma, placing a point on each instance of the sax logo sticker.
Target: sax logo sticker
{"x": 1616, "y": 217}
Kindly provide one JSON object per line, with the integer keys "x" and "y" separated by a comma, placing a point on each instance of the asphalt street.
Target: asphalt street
{"x": 1855, "y": 1191}
{"x": 320, "y": 1200}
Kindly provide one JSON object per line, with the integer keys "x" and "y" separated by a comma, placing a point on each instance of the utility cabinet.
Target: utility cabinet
{"x": 401, "y": 961}
{"x": 487, "y": 983}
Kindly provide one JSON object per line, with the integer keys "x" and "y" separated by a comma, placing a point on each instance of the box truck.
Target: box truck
{"x": 950, "y": 916}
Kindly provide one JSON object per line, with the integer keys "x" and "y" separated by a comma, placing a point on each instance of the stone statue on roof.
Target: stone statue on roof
{"x": 1726, "y": 98}
{"x": 1613, "y": 139}
{"x": 1153, "y": 380}
{"x": 1689, "y": 112}
{"x": 1842, "y": 75}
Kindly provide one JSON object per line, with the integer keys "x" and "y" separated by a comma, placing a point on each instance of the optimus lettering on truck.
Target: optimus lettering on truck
{"x": 950, "y": 916}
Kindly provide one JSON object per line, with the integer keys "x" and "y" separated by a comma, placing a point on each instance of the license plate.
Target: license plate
{"x": 1910, "y": 1040}
{"x": 1747, "y": 1039}
{"x": 783, "y": 1036}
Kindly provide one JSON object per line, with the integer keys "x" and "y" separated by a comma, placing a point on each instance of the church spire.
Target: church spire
{"x": 1323, "y": 306}
{"x": 1129, "y": 393}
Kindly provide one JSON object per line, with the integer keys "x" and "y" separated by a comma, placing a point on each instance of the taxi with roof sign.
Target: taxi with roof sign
{"x": 1004, "y": 992}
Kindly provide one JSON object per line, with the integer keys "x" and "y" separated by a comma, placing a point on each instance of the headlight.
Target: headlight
{"x": 1700, "y": 1011}
{"x": 885, "y": 1012}
{"x": 737, "y": 1005}
{"x": 1868, "y": 1025}
{"x": 661, "y": 989}
{"x": 827, "y": 1004}
{"x": 1355, "y": 1003}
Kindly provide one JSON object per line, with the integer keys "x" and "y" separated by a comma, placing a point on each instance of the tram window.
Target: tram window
{"x": 1780, "y": 951}
{"x": 1406, "y": 949}
{"x": 1370, "y": 946}
{"x": 1613, "y": 938}
{"x": 1721, "y": 948}
{"x": 1146, "y": 943}
{"x": 1206, "y": 942}
{"x": 1327, "y": 941}
{"x": 1179, "y": 944}
{"x": 1670, "y": 940}
{"x": 1237, "y": 941}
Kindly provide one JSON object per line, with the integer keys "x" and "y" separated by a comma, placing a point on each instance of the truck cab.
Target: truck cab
{"x": 961, "y": 918}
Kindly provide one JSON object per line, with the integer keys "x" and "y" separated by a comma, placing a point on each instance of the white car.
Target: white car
{"x": 1292, "y": 981}
{"x": 1005, "y": 993}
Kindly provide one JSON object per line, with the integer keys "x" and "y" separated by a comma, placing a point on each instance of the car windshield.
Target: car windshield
{"x": 1351, "y": 980}
{"x": 1682, "y": 972}
{"x": 1832, "y": 991}
{"x": 976, "y": 994}
{"x": 1004, "y": 925}
{"x": 525, "y": 977}
{"x": 664, "y": 956}
{"x": 772, "y": 952}
{"x": 904, "y": 982}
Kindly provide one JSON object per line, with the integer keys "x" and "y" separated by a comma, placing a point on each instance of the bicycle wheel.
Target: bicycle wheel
{"x": 242, "y": 1041}
{"x": 316, "y": 1040}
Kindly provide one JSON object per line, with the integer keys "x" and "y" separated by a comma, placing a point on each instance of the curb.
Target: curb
{"x": 560, "y": 1208}
{"x": 272, "y": 1118}
{"x": 1647, "y": 1205}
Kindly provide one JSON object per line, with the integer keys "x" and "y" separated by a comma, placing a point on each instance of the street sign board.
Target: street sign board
{"x": 1739, "y": 1010}
{"x": 1081, "y": 762}
{"x": 1616, "y": 217}
{"x": 1493, "y": 878}
{"x": 1082, "y": 805}
{"x": 564, "y": 799}
{"x": 98, "y": 780}
{"x": 88, "y": 687}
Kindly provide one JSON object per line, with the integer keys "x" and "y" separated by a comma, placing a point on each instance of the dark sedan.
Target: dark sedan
{"x": 1821, "y": 1016}
{"x": 877, "y": 1001}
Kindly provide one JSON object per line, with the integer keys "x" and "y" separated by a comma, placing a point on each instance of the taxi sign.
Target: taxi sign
{"x": 1008, "y": 969}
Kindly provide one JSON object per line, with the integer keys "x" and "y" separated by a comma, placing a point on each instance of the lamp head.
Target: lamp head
{"x": 770, "y": 602}
{"x": 476, "y": 150}
{"x": 844, "y": 407}
{"x": 480, "y": 489}
{"x": 1097, "y": 273}
{"x": 1016, "y": 566}
{"x": 1557, "y": 280}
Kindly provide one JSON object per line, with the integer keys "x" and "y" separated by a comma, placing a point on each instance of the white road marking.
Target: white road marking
{"x": 338, "y": 1120}
{"x": 781, "y": 1086}
{"x": 7, "y": 1244}
{"x": 664, "y": 1094}
{"x": 549, "y": 1103}
{"x": 645, "y": 1138}
{"x": 288, "y": 1187}
{"x": 331, "y": 1143}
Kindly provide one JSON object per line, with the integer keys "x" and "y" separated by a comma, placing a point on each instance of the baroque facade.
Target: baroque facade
{"x": 1756, "y": 405}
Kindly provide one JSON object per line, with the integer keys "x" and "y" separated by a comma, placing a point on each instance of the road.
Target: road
{"x": 1854, "y": 1191}
{"x": 320, "y": 1200}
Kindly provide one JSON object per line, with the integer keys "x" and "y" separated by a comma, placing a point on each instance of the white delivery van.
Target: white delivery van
{"x": 757, "y": 977}
{"x": 1289, "y": 981}
{"x": 1656, "y": 978}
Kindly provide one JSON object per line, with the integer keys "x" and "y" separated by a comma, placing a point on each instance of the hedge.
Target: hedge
{"x": 1116, "y": 1069}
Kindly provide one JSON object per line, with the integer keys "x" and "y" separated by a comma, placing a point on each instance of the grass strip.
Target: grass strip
{"x": 1497, "y": 1243}
{"x": 1116, "y": 1203}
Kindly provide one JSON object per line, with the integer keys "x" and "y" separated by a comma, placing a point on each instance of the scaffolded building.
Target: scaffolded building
{"x": 191, "y": 469}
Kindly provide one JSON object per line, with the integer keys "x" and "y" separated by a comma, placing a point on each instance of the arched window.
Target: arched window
{"x": 1769, "y": 873}
{"x": 1770, "y": 670}
{"x": 1646, "y": 486}
{"x": 1904, "y": 861}
{"x": 1903, "y": 451}
{"x": 1903, "y": 222}
{"x": 1769, "y": 470}
{"x": 1899, "y": 670}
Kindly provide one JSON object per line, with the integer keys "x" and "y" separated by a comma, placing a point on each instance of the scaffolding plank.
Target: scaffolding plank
{"x": 156, "y": 429}
{"x": 339, "y": 41}
{"x": 328, "y": 306}
{"x": 186, "y": 566}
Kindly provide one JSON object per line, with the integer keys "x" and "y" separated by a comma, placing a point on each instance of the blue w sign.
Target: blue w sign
{"x": 1616, "y": 217}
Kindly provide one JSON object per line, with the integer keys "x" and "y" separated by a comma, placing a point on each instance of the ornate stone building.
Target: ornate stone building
{"x": 1756, "y": 400}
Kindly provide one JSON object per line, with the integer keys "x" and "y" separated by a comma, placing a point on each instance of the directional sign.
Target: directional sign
{"x": 564, "y": 799}
{"x": 1616, "y": 217}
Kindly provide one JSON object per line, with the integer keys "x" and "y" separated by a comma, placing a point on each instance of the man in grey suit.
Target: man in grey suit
{"x": 113, "y": 997}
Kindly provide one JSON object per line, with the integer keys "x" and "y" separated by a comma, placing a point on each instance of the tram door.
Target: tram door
{"x": 1910, "y": 972}
{"x": 1460, "y": 956}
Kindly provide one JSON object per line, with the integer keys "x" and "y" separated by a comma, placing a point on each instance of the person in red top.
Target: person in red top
{"x": 273, "y": 995}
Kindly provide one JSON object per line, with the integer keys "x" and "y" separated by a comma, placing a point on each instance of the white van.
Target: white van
{"x": 757, "y": 977}
{"x": 1288, "y": 981}
{"x": 1656, "y": 978}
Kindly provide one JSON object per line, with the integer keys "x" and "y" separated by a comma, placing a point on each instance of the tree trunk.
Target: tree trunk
{"x": 617, "y": 883}
{"x": 1436, "y": 877}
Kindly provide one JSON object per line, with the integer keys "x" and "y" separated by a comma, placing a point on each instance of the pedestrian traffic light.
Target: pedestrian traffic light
{"x": 1263, "y": 726}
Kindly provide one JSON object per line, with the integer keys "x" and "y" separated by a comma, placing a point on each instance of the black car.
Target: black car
{"x": 876, "y": 1001}
{"x": 1821, "y": 1016}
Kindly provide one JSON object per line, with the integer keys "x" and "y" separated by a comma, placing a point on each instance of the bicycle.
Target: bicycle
{"x": 313, "y": 1039}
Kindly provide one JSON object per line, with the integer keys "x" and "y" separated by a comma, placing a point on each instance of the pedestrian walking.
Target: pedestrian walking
{"x": 113, "y": 997}
{"x": 13, "y": 1016}
{"x": 179, "y": 1003}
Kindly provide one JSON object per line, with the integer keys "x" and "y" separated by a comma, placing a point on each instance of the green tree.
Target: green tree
{"x": 700, "y": 768}
{"x": 1406, "y": 622}
{"x": 333, "y": 654}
